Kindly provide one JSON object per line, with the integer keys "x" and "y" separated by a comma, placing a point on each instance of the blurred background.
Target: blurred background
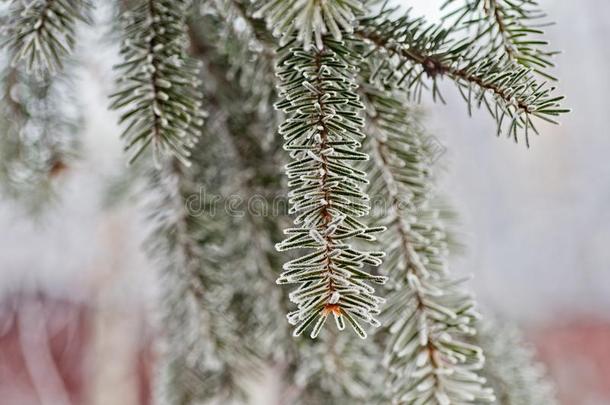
{"x": 77, "y": 292}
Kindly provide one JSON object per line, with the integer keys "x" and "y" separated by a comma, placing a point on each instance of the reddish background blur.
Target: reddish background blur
{"x": 50, "y": 351}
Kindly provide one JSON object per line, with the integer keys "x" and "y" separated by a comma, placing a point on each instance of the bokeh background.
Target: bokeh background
{"x": 77, "y": 293}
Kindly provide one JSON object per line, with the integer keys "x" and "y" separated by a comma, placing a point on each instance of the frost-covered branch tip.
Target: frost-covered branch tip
{"x": 42, "y": 33}
{"x": 322, "y": 132}
{"x": 158, "y": 87}
{"x": 310, "y": 19}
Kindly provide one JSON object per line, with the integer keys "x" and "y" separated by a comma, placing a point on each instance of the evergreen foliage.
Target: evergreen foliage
{"x": 343, "y": 80}
{"x": 42, "y": 33}
{"x": 413, "y": 55}
{"x": 204, "y": 355}
{"x": 428, "y": 314}
{"x": 39, "y": 115}
{"x": 311, "y": 19}
{"x": 158, "y": 83}
{"x": 513, "y": 29}
{"x": 322, "y": 132}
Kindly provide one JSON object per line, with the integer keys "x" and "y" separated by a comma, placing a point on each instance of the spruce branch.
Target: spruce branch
{"x": 203, "y": 354}
{"x": 223, "y": 342}
{"x": 42, "y": 32}
{"x": 413, "y": 54}
{"x": 428, "y": 315}
{"x": 158, "y": 87}
{"x": 310, "y": 19}
{"x": 332, "y": 369}
{"x": 514, "y": 29}
{"x": 322, "y": 132}
{"x": 244, "y": 128}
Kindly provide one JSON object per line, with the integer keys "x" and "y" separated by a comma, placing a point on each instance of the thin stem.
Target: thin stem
{"x": 155, "y": 63}
{"x": 327, "y": 217}
{"x": 407, "y": 251}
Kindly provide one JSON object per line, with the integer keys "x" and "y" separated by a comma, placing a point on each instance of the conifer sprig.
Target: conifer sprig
{"x": 310, "y": 19}
{"x": 427, "y": 315}
{"x": 158, "y": 83}
{"x": 414, "y": 55}
{"x": 204, "y": 355}
{"x": 322, "y": 132}
{"x": 512, "y": 28}
{"x": 42, "y": 33}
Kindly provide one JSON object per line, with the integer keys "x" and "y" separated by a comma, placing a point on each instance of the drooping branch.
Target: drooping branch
{"x": 159, "y": 83}
{"x": 412, "y": 53}
{"x": 42, "y": 34}
{"x": 322, "y": 133}
{"x": 427, "y": 315}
